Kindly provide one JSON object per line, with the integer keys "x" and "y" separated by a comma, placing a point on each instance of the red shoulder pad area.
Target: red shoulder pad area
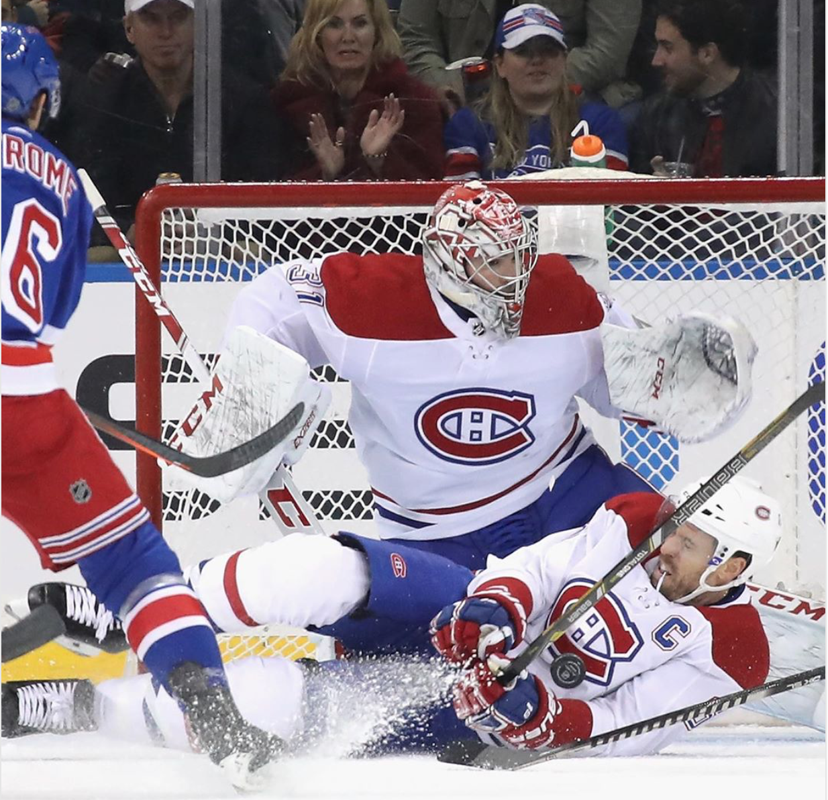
{"x": 639, "y": 511}
{"x": 559, "y": 300}
{"x": 740, "y": 644}
{"x": 381, "y": 297}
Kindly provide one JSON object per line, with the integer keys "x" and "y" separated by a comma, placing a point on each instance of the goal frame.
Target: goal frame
{"x": 148, "y": 349}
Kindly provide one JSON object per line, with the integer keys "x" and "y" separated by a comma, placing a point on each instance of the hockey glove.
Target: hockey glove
{"x": 522, "y": 713}
{"x": 492, "y": 620}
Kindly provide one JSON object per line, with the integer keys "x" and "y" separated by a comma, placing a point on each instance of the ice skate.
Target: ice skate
{"x": 90, "y": 627}
{"x": 48, "y": 707}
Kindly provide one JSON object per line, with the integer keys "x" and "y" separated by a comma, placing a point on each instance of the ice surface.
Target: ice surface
{"x": 729, "y": 762}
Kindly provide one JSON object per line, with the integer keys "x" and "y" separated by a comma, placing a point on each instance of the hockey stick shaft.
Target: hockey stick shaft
{"x": 304, "y": 519}
{"x": 33, "y": 631}
{"x": 205, "y": 466}
{"x": 679, "y": 516}
{"x": 143, "y": 279}
{"x": 514, "y": 760}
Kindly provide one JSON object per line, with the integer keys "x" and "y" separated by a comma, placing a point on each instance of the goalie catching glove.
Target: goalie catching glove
{"x": 256, "y": 383}
{"x": 692, "y": 377}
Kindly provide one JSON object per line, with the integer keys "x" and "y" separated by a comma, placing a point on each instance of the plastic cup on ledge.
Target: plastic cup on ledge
{"x": 678, "y": 169}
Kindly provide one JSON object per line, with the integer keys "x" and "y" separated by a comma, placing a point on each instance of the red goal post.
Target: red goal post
{"x": 753, "y": 248}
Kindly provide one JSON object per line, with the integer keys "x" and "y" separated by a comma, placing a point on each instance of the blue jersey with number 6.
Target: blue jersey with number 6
{"x": 46, "y": 222}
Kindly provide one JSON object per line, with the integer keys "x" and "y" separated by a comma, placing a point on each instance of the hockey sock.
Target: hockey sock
{"x": 298, "y": 580}
{"x": 139, "y": 578}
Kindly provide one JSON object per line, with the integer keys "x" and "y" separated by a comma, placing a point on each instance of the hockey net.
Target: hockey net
{"x": 753, "y": 249}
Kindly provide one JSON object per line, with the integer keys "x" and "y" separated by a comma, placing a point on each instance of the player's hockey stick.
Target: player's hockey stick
{"x": 284, "y": 491}
{"x": 204, "y": 466}
{"x": 814, "y": 394}
{"x": 32, "y": 631}
{"x": 489, "y": 757}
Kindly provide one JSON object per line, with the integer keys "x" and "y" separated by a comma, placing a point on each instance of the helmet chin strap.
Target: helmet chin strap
{"x": 704, "y": 586}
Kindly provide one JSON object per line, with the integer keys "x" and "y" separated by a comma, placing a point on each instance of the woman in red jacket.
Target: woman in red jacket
{"x": 355, "y": 112}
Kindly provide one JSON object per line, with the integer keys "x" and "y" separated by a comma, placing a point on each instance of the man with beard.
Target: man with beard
{"x": 713, "y": 117}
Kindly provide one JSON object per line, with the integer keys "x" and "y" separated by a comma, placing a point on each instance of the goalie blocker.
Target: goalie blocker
{"x": 256, "y": 383}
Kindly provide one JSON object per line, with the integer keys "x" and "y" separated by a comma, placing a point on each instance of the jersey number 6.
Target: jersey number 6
{"x": 34, "y": 237}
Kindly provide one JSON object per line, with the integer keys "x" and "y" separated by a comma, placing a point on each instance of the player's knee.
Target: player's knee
{"x": 114, "y": 572}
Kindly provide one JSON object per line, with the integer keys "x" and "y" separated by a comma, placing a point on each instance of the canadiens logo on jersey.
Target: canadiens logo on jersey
{"x": 476, "y": 426}
{"x": 603, "y": 637}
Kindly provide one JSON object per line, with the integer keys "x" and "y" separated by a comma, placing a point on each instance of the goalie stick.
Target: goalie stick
{"x": 282, "y": 491}
{"x": 205, "y": 466}
{"x": 474, "y": 754}
{"x": 32, "y": 631}
{"x": 679, "y": 516}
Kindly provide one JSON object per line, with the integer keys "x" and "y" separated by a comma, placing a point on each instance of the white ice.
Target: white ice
{"x": 725, "y": 762}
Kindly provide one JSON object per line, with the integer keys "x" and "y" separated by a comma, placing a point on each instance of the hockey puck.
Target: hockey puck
{"x": 567, "y": 671}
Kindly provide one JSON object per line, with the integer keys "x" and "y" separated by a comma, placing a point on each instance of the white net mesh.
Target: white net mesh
{"x": 761, "y": 261}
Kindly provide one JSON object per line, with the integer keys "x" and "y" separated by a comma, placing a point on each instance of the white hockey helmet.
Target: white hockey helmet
{"x": 473, "y": 225}
{"x": 742, "y": 519}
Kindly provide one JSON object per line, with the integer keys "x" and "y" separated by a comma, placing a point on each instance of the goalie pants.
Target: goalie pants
{"x": 440, "y": 569}
{"x": 576, "y": 495}
{"x": 62, "y": 489}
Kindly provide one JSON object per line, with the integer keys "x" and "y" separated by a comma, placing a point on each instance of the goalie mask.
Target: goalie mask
{"x": 742, "y": 519}
{"x": 478, "y": 251}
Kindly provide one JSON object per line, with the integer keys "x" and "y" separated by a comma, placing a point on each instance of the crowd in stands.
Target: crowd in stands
{"x": 418, "y": 89}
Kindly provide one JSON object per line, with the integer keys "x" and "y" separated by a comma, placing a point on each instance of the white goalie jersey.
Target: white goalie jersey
{"x": 644, "y": 654}
{"x": 455, "y": 428}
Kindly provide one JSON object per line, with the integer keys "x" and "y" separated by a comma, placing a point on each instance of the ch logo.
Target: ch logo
{"x": 476, "y": 426}
{"x": 398, "y": 565}
{"x": 602, "y": 638}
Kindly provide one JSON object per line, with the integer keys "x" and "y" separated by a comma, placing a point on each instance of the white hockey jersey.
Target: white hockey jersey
{"x": 644, "y": 655}
{"x": 455, "y": 429}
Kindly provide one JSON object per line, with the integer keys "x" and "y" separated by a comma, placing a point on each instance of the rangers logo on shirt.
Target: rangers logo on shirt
{"x": 603, "y": 637}
{"x": 476, "y": 426}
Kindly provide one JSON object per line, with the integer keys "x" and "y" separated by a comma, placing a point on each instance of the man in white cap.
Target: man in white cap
{"x": 141, "y": 123}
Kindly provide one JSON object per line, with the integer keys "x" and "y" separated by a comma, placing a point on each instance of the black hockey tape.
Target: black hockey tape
{"x": 567, "y": 671}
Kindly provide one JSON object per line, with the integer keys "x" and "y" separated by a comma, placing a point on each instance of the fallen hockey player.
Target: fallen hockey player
{"x": 677, "y": 630}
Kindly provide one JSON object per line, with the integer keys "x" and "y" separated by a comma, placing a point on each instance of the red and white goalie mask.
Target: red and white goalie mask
{"x": 478, "y": 251}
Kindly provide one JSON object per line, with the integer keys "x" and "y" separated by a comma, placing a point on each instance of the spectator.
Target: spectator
{"x": 354, "y": 111}
{"x": 142, "y": 113}
{"x": 256, "y": 35}
{"x": 81, "y": 31}
{"x": 713, "y": 117}
{"x": 9, "y": 11}
{"x": 524, "y": 123}
{"x": 33, "y": 12}
{"x": 600, "y": 34}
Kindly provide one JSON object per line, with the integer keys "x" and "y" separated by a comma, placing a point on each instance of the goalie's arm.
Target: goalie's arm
{"x": 271, "y": 306}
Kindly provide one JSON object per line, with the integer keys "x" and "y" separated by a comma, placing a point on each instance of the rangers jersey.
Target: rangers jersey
{"x": 644, "y": 655}
{"x": 457, "y": 428}
{"x": 46, "y": 222}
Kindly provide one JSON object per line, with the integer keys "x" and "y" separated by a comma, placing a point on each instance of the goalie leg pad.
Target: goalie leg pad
{"x": 297, "y": 580}
{"x": 692, "y": 377}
